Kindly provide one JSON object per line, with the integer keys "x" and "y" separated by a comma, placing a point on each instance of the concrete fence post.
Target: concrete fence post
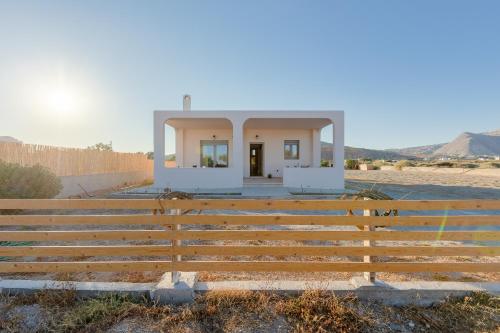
{"x": 174, "y": 244}
{"x": 369, "y": 276}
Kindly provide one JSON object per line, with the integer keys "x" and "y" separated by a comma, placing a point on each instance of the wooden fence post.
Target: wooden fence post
{"x": 369, "y": 276}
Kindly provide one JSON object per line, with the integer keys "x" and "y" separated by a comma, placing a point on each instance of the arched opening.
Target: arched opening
{"x": 272, "y": 145}
{"x": 198, "y": 142}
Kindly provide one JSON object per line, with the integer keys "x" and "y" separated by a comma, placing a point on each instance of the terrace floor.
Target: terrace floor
{"x": 264, "y": 181}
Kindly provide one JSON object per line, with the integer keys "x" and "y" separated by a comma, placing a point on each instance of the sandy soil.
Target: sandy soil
{"x": 465, "y": 184}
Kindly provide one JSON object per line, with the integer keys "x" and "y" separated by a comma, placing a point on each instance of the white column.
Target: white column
{"x": 238, "y": 148}
{"x": 338, "y": 141}
{"x": 179, "y": 147}
{"x": 316, "y": 148}
{"x": 159, "y": 145}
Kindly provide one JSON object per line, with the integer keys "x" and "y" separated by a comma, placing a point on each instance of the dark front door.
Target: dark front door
{"x": 255, "y": 159}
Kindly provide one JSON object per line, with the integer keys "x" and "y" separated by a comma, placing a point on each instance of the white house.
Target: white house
{"x": 230, "y": 149}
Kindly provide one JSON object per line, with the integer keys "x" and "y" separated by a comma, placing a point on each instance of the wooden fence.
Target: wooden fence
{"x": 73, "y": 161}
{"x": 162, "y": 221}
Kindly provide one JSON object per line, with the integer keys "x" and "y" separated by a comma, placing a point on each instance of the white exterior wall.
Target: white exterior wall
{"x": 231, "y": 177}
{"x": 273, "y": 142}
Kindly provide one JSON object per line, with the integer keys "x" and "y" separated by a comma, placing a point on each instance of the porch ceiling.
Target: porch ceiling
{"x": 198, "y": 123}
{"x": 287, "y": 123}
{"x": 253, "y": 123}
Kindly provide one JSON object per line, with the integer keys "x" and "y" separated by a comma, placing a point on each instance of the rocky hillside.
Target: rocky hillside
{"x": 420, "y": 151}
{"x": 355, "y": 153}
{"x": 472, "y": 144}
{"x": 465, "y": 145}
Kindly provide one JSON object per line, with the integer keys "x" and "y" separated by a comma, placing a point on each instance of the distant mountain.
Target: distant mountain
{"x": 472, "y": 144}
{"x": 357, "y": 153}
{"x": 419, "y": 151}
{"x": 465, "y": 145}
{"x": 9, "y": 139}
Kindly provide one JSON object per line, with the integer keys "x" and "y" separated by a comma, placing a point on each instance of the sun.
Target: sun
{"x": 61, "y": 101}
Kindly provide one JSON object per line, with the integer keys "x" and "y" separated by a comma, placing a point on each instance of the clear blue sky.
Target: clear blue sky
{"x": 405, "y": 72}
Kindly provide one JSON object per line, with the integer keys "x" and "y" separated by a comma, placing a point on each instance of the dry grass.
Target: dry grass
{"x": 243, "y": 311}
{"x": 316, "y": 311}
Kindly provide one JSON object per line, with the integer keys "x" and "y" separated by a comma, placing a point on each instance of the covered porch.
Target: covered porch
{"x": 230, "y": 149}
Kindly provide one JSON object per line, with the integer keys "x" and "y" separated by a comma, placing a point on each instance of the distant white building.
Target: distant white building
{"x": 227, "y": 149}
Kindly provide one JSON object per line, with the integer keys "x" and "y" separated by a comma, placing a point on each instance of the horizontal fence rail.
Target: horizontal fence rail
{"x": 265, "y": 205}
{"x": 195, "y": 250}
{"x": 232, "y": 243}
{"x": 325, "y": 220}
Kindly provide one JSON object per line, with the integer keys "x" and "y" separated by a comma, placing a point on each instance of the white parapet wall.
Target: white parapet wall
{"x": 190, "y": 178}
{"x": 320, "y": 178}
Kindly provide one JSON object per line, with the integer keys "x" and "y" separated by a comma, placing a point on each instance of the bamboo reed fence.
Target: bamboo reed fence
{"x": 73, "y": 161}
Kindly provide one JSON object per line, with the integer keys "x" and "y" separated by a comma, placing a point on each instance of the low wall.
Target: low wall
{"x": 189, "y": 178}
{"x": 419, "y": 293}
{"x": 320, "y": 178}
{"x": 100, "y": 181}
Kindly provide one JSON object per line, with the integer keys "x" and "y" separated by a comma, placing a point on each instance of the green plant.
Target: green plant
{"x": 492, "y": 165}
{"x": 466, "y": 165}
{"x": 325, "y": 163}
{"x": 444, "y": 165}
{"x": 102, "y": 146}
{"x": 34, "y": 182}
{"x": 351, "y": 164}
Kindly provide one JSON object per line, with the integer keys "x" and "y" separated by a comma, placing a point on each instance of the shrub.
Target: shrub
{"x": 35, "y": 182}
{"x": 403, "y": 163}
{"x": 445, "y": 165}
{"x": 492, "y": 165}
{"x": 325, "y": 164}
{"x": 351, "y": 164}
{"x": 466, "y": 165}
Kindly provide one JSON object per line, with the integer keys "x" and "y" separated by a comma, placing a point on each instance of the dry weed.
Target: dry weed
{"x": 317, "y": 311}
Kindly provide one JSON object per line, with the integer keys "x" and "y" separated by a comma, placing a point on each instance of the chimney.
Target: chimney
{"x": 186, "y": 103}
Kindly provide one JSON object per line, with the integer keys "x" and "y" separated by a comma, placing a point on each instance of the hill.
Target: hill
{"x": 419, "y": 151}
{"x": 472, "y": 144}
{"x": 356, "y": 153}
{"x": 465, "y": 145}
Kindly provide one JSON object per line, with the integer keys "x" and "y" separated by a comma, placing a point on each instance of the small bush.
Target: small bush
{"x": 466, "y": 165}
{"x": 403, "y": 163}
{"x": 492, "y": 165}
{"x": 36, "y": 182}
{"x": 445, "y": 165}
{"x": 351, "y": 164}
{"x": 325, "y": 164}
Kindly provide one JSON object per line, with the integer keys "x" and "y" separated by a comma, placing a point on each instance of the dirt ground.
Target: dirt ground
{"x": 431, "y": 184}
